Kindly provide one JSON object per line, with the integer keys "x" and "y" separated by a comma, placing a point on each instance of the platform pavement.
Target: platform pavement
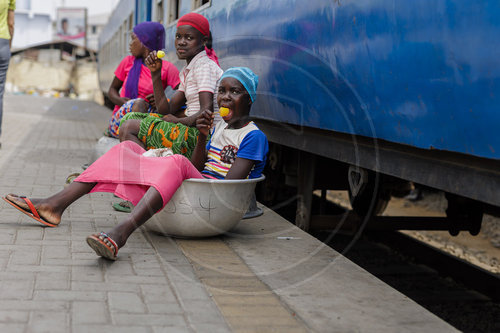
{"x": 249, "y": 281}
{"x": 51, "y": 281}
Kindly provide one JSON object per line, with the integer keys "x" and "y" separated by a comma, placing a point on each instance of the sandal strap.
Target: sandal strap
{"x": 126, "y": 204}
{"x": 31, "y": 206}
{"x": 111, "y": 241}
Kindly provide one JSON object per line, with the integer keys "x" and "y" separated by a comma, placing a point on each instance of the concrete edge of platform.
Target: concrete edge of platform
{"x": 326, "y": 290}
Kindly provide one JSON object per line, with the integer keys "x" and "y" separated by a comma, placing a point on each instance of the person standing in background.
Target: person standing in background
{"x": 7, "y": 8}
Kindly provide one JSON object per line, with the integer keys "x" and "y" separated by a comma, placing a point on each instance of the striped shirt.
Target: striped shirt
{"x": 226, "y": 145}
{"x": 201, "y": 74}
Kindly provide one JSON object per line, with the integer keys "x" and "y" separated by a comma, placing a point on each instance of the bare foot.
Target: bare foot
{"x": 46, "y": 212}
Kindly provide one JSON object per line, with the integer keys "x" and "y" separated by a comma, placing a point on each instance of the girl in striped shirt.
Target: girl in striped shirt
{"x": 175, "y": 127}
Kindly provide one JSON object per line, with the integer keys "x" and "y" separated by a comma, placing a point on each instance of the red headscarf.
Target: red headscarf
{"x": 197, "y": 21}
{"x": 200, "y": 23}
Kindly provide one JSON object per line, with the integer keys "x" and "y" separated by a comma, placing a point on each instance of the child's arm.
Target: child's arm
{"x": 252, "y": 150}
{"x": 206, "y": 104}
{"x": 154, "y": 64}
{"x": 175, "y": 104}
{"x": 240, "y": 169}
{"x": 113, "y": 92}
{"x": 203, "y": 124}
{"x": 163, "y": 106}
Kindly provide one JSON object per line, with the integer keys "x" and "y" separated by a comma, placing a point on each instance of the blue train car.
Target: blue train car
{"x": 360, "y": 94}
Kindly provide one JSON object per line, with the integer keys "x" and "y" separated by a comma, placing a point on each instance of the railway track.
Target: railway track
{"x": 460, "y": 293}
{"x": 464, "y": 295}
{"x": 460, "y": 270}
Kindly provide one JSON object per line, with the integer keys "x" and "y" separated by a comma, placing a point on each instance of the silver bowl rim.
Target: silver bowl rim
{"x": 225, "y": 181}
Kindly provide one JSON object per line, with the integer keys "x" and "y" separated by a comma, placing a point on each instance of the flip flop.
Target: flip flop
{"x": 33, "y": 213}
{"x": 120, "y": 206}
{"x": 101, "y": 248}
{"x": 71, "y": 177}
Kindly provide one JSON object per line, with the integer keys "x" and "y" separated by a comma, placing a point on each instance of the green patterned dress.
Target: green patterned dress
{"x": 154, "y": 132}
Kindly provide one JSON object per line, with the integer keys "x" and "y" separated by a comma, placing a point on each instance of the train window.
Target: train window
{"x": 198, "y": 3}
{"x": 143, "y": 11}
{"x": 159, "y": 11}
{"x": 131, "y": 22}
{"x": 120, "y": 39}
{"x": 173, "y": 10}
{"x": 114, "y": 42}
{"x": 129, "y": 31}
{"x": 125, "y": 37}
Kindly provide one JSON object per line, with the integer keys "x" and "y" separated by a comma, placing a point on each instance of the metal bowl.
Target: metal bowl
{"x": 204, "y": 207}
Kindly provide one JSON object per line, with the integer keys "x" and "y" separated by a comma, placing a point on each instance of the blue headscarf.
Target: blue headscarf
{"x": 248, "y": 79}
{"x": 151, "y": 35}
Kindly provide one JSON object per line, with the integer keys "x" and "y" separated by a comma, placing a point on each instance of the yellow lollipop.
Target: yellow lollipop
{"x": 223, "y": 111}
{"x": 160, "y": 54}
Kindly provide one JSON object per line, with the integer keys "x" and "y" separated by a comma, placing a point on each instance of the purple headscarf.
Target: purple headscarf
{"x": 151, "y": 35}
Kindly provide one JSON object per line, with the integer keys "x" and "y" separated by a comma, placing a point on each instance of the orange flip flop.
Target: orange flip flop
{"x": 101, "y": 248}
{"x": 33, "y": 213}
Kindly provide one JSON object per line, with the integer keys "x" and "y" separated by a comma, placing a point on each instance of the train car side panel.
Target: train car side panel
{"x": 406, "y": 72}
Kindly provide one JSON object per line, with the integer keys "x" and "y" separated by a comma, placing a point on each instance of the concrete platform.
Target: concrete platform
{"x": 266, "y": 275}
{"x": 321, "y": 287}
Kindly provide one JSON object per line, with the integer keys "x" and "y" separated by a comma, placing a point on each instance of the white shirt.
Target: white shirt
{"x": 201, "y": 74}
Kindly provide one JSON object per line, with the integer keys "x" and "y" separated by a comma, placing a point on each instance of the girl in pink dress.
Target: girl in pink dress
{"x": 132, "y": 87}
{"x": 237, "y": 149}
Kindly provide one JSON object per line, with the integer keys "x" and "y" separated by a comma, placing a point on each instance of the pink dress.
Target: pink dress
{"x": 125, "y": 172}
{"x": 169, "y": 77}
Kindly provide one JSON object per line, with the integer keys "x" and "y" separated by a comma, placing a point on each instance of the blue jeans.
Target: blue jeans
{"x": 4, "y": 66}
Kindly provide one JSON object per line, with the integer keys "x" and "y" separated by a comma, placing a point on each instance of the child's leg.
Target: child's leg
{"x": 178, "y": 168}
{"x": 129, "y": 130}
{"x": 52, "y": 208}
{"x": 150, "y": 203}
{"x": 157, "y": 133}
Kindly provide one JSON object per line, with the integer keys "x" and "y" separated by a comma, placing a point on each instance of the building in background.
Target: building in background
{"x": 54, "y": 48}
{"x": 71, "y": 25}
{"x": 31, "y": 28}
{"x": 37, "y": 20}
{"x": 95, "y": 24}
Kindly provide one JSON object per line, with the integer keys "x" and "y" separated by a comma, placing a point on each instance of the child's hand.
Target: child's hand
{"x": 152, "y": 62}
{"x": 204, "y": 122}
{"x": 170, "y": 118}
{"x": 151, "y": 100}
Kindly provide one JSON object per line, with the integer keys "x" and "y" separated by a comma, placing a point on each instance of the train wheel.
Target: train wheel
{"x": 463, "y": 214}
{"x": 367, "y": 194}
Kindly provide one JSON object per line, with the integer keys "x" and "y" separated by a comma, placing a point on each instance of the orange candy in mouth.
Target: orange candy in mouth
{"x": 223, "y": 111}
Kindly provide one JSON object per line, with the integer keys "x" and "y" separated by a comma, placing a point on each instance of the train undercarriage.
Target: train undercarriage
{"x": 372, "y": 171}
